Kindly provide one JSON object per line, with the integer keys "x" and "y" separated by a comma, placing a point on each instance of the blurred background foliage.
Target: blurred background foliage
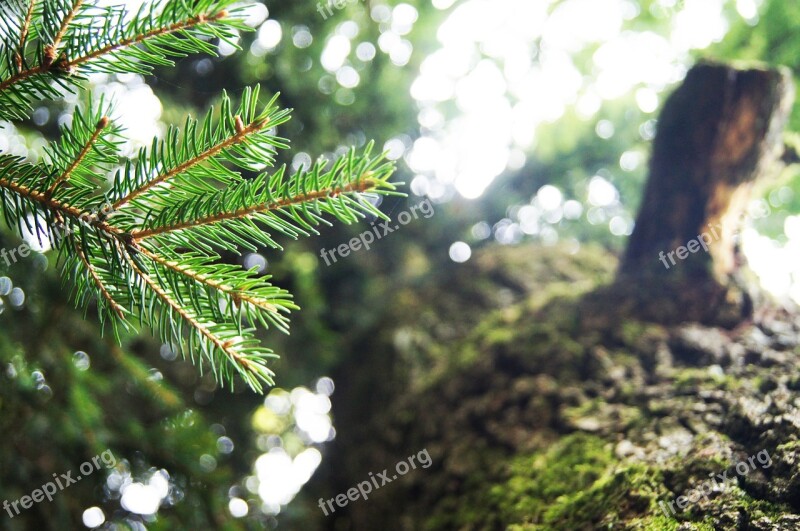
{"x": 520, "y": 120}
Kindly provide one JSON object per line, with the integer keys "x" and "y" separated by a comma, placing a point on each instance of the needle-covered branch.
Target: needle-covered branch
{"x": 141, "y": 236}
{"x": 289, "y": 205}
{"x": 52, "y": 46}
{"x": 203, "y": 155}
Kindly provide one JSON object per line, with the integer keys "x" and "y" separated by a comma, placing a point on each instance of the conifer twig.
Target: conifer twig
{"x": 23, "y": 36}
{"x": 205, "y": 155}
{"x": 70, "y": 64}
{"x": 100, "y": 286}
{"x": 58, "y": 207}
{"x": 224, "y": 346}
{"x": 204, "y": 279}
{"x": 178, "y": 26}
{"x": 200, "y": 188}
{"x": 359, "y": 186}
{"x": 51, "y": 50}
{"x": 102, "y": 124}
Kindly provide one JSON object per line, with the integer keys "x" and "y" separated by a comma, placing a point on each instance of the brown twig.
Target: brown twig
{"x": 235, "y": 139}
{"x": 58, "y": 206}
{"x": 224, "y": 346}
{"x": 24, "y": 35}
{"x": 124, "y": 43}
{"x": 202, "y": 279}
{"x": 359, "y": 186}
{"x": 51, "y": 50}
{"x": 102, "y": 124}
{"x": 96, "y": 278}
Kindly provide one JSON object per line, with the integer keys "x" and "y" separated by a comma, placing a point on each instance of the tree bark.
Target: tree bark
{"x": 512, "y": 357}
{"x": 718, "y": 134}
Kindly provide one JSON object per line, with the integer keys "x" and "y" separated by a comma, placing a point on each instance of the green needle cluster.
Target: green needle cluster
{"x": 141, "y": 237}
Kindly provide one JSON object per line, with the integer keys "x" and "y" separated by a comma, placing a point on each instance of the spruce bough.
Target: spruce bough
{"x": 142, "y": 236}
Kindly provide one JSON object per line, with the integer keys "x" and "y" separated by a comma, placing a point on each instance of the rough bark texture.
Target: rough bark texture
{"x": 541, "y": 415}
{"x": 551, "y": 397}
{"x": 718, "y": 134}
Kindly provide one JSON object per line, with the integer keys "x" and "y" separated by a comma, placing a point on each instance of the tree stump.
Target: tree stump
{"x": 718, "y": 134}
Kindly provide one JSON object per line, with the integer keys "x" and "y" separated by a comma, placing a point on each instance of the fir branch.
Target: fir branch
{"x": 53, "y": 205}
{"x": 94, "y": 39}
{"x": 245, "y": 296}
{"x": 23, "y": 36}
{"x": 152, "y": 257}
{"x": 51, "y": 50}
{"x": 254, "y": 372}
{"x": 362, "y": 185}
{"x": 70, "y": 64}
{"x": 290, "y": 205}
{"x": 176, "y": 27}
{"x": 90, "y": 144}
{"x": 239, "y": 137}
{"x": 205, "y": 153}
{"x": 93, "y": 273}
{"x": 83, "y": 157}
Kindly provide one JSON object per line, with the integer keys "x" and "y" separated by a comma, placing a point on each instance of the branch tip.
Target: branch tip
{"x": 49, "y": 56}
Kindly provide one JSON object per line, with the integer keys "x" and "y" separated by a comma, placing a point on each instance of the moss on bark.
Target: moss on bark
{"x": 539, "y": 413}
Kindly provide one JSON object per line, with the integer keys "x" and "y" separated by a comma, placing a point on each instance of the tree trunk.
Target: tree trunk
{"x": 718, "y": 134}
{"x": 547, "y": 404}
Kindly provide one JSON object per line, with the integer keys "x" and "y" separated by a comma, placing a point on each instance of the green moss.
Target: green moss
{"x": 625, "y": 417}
{"x": 499, "y": 336}
{"x": 632, "y": 332}
{"x": 549, "y": 282}
{"x": 471, "y": 508}
{"x": 663, "y": 523}
{"x": 694, "y": 378}
{"x": 572, "y": 464}
{"x": 655, "y": 523}
{"x": 547, "y": 319}
{"x": 726, "y": 511}
{"x": 790, "y": 446}
{"x": 610, "y": 501}
{"x": 532, "y": 484}
{"x": 577, "y": 484}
